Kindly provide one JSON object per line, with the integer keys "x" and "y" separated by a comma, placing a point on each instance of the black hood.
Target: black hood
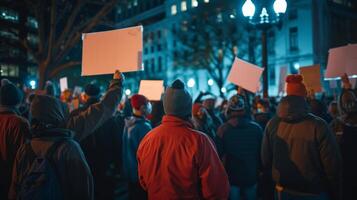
{"x": 47, "y": 110}
{"x": 292, "y": 108}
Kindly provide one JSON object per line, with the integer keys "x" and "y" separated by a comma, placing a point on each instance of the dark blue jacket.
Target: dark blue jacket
{"x": 239, "y": 143}
{"x": 134, "y": 131}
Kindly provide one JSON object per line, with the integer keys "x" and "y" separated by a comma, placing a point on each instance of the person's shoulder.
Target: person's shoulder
{"x": 255, "y": 125}
{"x": 316, "y": 120}
{"x": 223, "y": 128}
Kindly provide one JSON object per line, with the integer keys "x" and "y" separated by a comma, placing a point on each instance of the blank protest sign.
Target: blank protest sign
{"x": 152, "y": 89}
{"x": 342, "y": 60}
{"x": 107, "y": 51}
{"x": 312, "y": 77}
{"x": 63, "y": 84}
{"x": 245, "y": 75}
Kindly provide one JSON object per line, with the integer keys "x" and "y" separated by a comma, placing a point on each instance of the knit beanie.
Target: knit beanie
{"x": 177, "y": 101}
{"x": 196, "y": 108}
{"x": 92, "y": 90}
{"x": 236, "y": 103}
{"x": 10, "y": 95}
{"x": 295, "y": 86}
{"x": 138, "y": 100}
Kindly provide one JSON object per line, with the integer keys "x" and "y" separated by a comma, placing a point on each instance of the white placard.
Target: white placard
{"x": 152, "y": 89}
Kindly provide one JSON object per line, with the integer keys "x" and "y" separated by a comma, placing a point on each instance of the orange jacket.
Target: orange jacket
{"x": 177, "y": 162}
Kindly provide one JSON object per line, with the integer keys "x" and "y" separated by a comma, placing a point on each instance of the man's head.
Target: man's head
{"x": 236, "y": 106}
{"x": 199, "y": 112}
{"x": 47, "y": 111}
{"x": 177, "y": 101}
{"x": 10, "y": 95}
{"x": 91, "y": 91}
{"x": 262, "y": 106}
{"x": 209, "y": 102}
{"x": 333, "y": 109}
{"x": 141, "y": 105}
{"x": 348, "y": 102}
{"x": 295, "y": 86}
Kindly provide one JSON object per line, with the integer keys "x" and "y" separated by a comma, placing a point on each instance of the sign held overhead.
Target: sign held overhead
{"x": 245, "y": 75}
{"x": 107, "y": 51}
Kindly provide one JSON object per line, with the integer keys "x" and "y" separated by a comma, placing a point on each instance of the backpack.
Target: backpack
{"x": 41, "y": 181}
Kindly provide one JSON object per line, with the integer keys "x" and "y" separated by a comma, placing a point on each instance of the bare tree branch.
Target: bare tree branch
{"x": 62, "y": 67}
{"x": 52, "y": 31}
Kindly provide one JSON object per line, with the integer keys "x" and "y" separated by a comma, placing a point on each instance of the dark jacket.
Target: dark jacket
{"x": 301, "y": 151}
{"x": 239, "y": 141}
{"x": 13, "y": 132}
{"x": 86, "y": 122}
{"x": 72, "y": 169}
{"x": 134, "y": 131}
{"x": 103, "y": 150}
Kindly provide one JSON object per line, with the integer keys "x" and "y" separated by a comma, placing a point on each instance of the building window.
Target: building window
{"x": 152, "y": 49}
{"x": 174, "y": 43}
{"x": 146, "y": 65}
{"x": 32, "y": 22}
{"x": 32, "y": 71}
{"x": 293, "y": 14}
{"x": 159, "y": 47}
{"x": 293, "y": 33}
{"x": 158, "y": 34}
{"x": 152, "y": 64}
{"x": 159, "y": 63}
{"x": 9, "y": 70}
{"x": 194, "y": 3}
{"x": 206, "y": 1}
{"x": 183, "y": 6}
{"x": 173, "y": 10}
{"x": 146, "y": 50}
{"x": 135, "y": 2}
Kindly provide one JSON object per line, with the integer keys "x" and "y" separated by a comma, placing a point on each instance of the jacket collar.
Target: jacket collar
{"x": 238, "y": 121}
{"x": 175, "y": 121}
{"x": 51, "y": 133}
{"x": 9, "y": 109}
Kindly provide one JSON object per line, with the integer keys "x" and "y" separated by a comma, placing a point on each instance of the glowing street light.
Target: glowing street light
{"x": 248, "y": 9}
{"x": 127, "y": 92}
{"x": 210, "y": 82}
{"x": 223, "y": 90}
{"x": 191, "y": 82}
{"x": 33, "y": 84}
{"x": 280, "y": 6}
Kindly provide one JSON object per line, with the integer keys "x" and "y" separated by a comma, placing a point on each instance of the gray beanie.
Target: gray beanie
{"x": 177, "y": 101}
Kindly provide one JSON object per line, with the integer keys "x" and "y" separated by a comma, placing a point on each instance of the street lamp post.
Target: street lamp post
{"x": 263, "y": 21}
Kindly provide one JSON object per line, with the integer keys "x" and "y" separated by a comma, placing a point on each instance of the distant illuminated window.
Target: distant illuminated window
{"x": 9, "y": 70}
{"x": 32, "y": 22}
{"x": 129, "y": 5}
{"x": 173, "y": 10}
{"x": 194, "y": 3}
{"x": 206, "y": 1}
{"x": 135, "y": 2}
{"x": 9, "y": 15}
{"x": 183, "y": 6}
{"x": 120, "y": 10}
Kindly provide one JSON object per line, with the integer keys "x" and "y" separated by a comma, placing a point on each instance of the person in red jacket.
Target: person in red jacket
{"x": 177, "y": 162}
{"x": 14, "y": 130}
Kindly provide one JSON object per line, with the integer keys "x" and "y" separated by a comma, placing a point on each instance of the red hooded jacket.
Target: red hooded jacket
{"x": 177, "y": 162}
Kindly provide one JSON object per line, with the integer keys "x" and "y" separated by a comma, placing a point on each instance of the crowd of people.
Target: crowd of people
{"x": 91, "y": 146}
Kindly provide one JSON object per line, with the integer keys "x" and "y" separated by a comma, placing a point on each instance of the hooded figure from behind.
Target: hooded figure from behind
{"x": 48, "y": 124}
{"x": 299, "y": 150}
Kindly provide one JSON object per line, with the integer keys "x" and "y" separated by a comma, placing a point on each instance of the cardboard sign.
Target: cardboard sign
{"x": 342, "y": 60}
{"x": 105, "y": 52}
{"x": 245, "y": 75}
{"x": 63, "y": 84}
{"x": 312, "y": 77}
{"x": 152, "y": 89}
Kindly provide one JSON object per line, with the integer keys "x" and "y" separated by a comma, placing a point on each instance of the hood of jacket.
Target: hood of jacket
{"x": 292, "y": 108}
{"x": 51, "y": 133}
{"x": 132, "y": 120}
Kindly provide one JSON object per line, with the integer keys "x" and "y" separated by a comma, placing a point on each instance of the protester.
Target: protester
{"x": 300, "y": 151}
{"x": 14, "y": 130}
{"x": 177, "y": 162}
{"x": 239, "y": 141}
{"x": 202, "y": 121}
{"x": 53, "y": 145}
{"x": 90, "y": 97}
{"x": 136, "y": 127}
{"x": 209, "y": 103}
{"x": 157, "y": 114}
{"x": 319, "y": 109}
{"x": 50, "y": 90}
{"x": 263, "y": 114}
{"x": 347, "y": 131}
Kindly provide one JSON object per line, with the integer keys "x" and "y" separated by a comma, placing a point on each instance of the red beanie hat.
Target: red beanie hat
{"x": 196, "y": 108}
{"x": 295, "y": 86}
{"x": 138, "y": 100}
